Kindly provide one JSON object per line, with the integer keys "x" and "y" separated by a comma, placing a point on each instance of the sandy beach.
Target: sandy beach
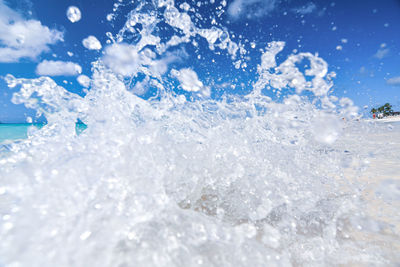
{"x": 386, "y": 119}
{"x": 380, "y": 180}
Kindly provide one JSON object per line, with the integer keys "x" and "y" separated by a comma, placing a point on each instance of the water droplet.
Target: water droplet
{"x": 73, "y": 14}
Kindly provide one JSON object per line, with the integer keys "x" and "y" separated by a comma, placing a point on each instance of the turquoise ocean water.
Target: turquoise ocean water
{"x": 17, "y": 131}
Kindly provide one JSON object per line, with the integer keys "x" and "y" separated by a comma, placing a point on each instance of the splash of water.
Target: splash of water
{"x": 74, "y": 14}
{"x": 174, "y": 180}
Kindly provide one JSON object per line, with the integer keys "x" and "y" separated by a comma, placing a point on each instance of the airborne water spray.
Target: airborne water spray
{"x": 174, "y": 180}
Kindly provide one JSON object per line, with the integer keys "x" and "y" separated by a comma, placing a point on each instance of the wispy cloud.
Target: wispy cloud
{"x": 251, "y": 8}
{"x": 58, "y": 68}
{"x": 395, "y": 81}
{"x": 22, "y": 38}
{"x": 382, "y": 52}
{"x": 306, "y": 9}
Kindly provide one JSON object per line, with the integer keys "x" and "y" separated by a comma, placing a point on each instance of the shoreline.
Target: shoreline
{"x": 386, "y": 119}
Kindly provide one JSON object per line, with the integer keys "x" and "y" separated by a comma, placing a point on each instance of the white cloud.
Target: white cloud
{"x": 122, "y": 59}
{"x": 125, "y": 60}
{"x": 394, "y": 81}
{"x": 306, "y": 9}
{"x": 160, "y": 67}
{"x": 91, "y": 43}
{"x": 251, "y": 8}
{"x": 21, "y": 38}
{"x": 58, "y": 68}
{"x": 382, "y": 52}
{"x": 190, "y": 81}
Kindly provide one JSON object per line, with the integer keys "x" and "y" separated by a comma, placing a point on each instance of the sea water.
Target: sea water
{"x": 11, "y": 132}
{"x": 182, "y": 178}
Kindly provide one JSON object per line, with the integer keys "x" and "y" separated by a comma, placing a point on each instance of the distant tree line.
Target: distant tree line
{"x": 386, "y": 110}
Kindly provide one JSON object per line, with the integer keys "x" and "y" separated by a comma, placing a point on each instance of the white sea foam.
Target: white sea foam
{"x": 180, "y": 180}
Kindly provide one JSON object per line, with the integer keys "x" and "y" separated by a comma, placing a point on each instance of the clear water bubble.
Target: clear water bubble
{"x": 91, "y": 43}
{"x": 74, "y": 14}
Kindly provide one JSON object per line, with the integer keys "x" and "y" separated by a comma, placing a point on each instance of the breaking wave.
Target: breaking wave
{"x": 181, "y": 176}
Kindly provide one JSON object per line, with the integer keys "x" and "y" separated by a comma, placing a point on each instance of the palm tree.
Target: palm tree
{"x": 387, "y": 109}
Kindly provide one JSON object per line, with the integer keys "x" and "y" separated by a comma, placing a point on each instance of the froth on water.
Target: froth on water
{"x": 181, "y": 178}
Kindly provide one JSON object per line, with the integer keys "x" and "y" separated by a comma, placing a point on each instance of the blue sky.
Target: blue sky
{"x": 359, "y": 39}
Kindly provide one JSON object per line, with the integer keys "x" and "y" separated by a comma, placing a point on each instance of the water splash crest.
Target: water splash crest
{"x": 174, "y": 181}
